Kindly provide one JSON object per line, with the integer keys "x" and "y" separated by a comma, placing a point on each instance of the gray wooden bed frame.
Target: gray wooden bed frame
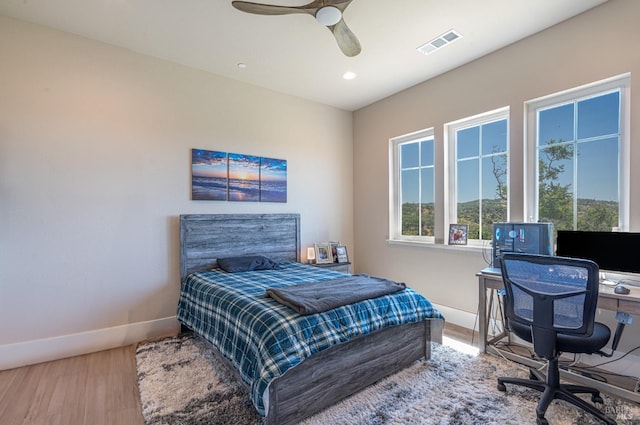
{"x": 326, "y": 377}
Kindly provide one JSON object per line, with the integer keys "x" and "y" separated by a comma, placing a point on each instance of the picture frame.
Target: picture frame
{"x": 458, "y": 234}
{"x": 342, "y": 255}
{"x": 334, "y": 245}
{"x": 323, "y": 253}
{"x": 227, "y": 176}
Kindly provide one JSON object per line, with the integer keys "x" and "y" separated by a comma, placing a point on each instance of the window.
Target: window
{"x": 575, "y": 175}
{"x": 412, "y": 194}
{"x": 478, "y": 172}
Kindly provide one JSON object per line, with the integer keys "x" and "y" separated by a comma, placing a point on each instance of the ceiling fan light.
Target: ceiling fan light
{"x": 328, "y": 15}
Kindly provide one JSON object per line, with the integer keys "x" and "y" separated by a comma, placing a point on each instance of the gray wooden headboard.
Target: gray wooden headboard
{"x": 206, "y": 237}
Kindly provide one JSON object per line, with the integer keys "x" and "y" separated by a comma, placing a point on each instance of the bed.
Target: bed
{"x": 325, "y": 373}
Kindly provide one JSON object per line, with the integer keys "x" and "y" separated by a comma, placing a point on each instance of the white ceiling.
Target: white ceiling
{"x": 294, "y": 54}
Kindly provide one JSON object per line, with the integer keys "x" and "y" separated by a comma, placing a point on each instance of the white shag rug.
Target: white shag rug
{"x": 182, "y": 383}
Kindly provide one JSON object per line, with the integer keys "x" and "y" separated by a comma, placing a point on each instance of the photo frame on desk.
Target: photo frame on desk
{"x": 458, "y": 234}
{"x": 323, "y": 253}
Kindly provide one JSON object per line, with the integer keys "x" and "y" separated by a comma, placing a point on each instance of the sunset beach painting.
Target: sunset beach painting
{"x": 244, "y": 177}
{"x": 273, "y": 180}
{"x": 209, "y": 180}
{"x": 222, "y": 176}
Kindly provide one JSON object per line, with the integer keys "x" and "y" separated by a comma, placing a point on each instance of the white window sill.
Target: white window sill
{"x": 431, "y": 245}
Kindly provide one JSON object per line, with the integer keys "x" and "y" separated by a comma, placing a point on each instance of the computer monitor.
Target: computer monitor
{"x": 612, "y": 251}
{"x": 528, "y": 238}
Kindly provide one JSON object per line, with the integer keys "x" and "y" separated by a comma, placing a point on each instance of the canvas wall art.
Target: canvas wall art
{"x": 244, "y": 177}
{"x": 222, "y": 176}
{"x": 209, "y": 175}
{"x": 273, "y": 180}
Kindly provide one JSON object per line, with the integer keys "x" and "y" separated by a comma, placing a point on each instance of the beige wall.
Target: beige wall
{"x": 596, "y": 45}
{"x": 95, "y": 169}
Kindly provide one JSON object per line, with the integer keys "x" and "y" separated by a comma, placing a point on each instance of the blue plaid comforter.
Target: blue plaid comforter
{"x": 262, "y": 338}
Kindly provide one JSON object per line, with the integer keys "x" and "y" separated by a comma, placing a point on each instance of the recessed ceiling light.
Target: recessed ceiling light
{"x": 349, "y": 75}
{"x": 242, "y": 65}
{"x": 439, "y": 42}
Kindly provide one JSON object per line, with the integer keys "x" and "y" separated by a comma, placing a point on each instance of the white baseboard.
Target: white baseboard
{"x": 457, "y": 317}
{"x": 47, "y": 349}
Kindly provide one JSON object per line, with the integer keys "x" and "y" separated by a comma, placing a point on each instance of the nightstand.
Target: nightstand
{"x": 338, "y": 267}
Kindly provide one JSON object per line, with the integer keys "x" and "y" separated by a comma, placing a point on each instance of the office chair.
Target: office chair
{"x": 551, "y": 302}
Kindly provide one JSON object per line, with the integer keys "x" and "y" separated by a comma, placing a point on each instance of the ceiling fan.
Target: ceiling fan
{"x": 327, "y": 12}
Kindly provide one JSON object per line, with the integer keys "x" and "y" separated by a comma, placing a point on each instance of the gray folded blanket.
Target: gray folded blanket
{"x": 316, "y": 297}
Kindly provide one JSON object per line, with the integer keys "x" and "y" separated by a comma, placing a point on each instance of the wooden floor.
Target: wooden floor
{"x": 93, "y": 389}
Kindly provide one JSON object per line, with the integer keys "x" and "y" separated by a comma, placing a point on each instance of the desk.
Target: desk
{"x": 607, "y": 299}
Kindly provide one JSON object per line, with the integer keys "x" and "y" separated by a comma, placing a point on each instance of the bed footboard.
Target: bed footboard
{"x": 331, "y": 375}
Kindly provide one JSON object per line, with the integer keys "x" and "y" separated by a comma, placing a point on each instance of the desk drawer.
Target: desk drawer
{"x": 608, "y": 303}
{"x": 627, "y": 306}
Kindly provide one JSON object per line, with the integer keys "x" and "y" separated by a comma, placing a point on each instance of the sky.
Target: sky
{"x": 592, "y": 122}
{"x": 595, "y": 125}
{"x": 207, "y": 163}
{"x": 273, "y": 169}
{"x": 244, "y": 167}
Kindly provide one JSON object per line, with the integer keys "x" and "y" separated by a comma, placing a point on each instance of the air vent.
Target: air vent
{"x": 439, "y": 42}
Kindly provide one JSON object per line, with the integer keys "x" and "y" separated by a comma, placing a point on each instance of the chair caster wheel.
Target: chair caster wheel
{"x": 596, "y": 399}
{"x": 542, "y": 421}
{"x": 502, "y": 387}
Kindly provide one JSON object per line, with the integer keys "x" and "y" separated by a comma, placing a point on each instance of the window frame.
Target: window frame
{"x": 451, "y": 187}
{"x": 530, "y": 162}
{"x": 395, "y": 186}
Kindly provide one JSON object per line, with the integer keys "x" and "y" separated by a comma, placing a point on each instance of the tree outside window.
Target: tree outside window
{"x": 481, "y": 146}
{"x": 578, "y": 147}
{"x": 417, "y": 187}
{"x": 412, "y": 187}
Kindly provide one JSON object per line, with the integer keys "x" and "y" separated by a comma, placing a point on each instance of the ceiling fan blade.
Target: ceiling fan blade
{"x": 266, "y": 9}
{"x": 347, "y": 41}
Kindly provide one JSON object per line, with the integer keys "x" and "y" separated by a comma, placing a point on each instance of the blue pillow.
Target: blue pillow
{"x": 246, "y": 263}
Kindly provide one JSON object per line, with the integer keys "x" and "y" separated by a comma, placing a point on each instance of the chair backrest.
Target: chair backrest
{"x": 550, "y": 295}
